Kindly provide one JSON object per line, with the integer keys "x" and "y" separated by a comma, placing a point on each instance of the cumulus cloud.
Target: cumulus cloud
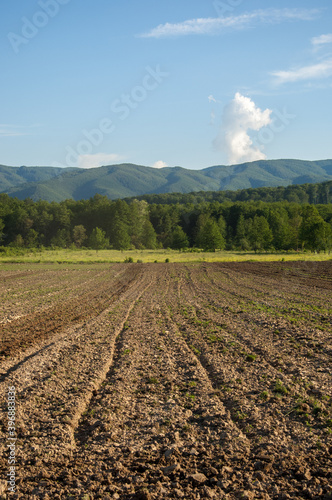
{"x": 159, "y": 164}
{"x": 97, "y": 160}
{"x": 318, "y": 41}
{"x": 240, "y": 116}
{"x": 215, "y": 25}
{"x": 312, "y": 72}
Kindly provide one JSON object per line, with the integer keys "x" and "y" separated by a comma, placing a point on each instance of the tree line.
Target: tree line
{"x": 319, "y": 193}
{"x": 102, "y": 223}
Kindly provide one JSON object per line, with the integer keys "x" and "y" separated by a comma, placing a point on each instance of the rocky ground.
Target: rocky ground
{"x": 153, "y": 381}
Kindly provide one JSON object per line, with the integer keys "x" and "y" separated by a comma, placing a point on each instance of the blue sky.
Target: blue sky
{"x": 193, "y": 83}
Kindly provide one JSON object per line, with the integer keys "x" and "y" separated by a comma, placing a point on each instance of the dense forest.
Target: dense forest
{"x": 102, "y": 223}
{"x": 319, "y": 193}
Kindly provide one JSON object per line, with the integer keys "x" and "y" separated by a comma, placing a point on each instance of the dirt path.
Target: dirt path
{"x": 172, "y": 381}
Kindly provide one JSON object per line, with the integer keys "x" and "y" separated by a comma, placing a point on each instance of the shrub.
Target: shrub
{"x": 128, "y": 259}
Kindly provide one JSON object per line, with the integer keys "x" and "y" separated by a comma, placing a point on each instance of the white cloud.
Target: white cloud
{"x": 97, "y": 160}
{"x": 10, "y": 130}
{"x": 215, "y": 25}
{"x": 318, "y": 41}
{"x": 7, "y": 130}
{"x": 159, "y": 164}
{"x": 212, "y": 99}
{"x": 10, "y": 133}
{"x": 240, "y": 116}
{"x": 312, "y": 72}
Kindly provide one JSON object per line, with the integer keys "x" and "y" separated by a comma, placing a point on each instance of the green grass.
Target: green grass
{"x": 153, "y": 380}
{"x": 279, "y": 388}
{"x": 251, "y": 357}
{"x": 68, "y": 256}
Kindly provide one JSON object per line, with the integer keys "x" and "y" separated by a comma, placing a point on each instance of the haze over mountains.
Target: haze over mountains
{"x": 127, "y": 180}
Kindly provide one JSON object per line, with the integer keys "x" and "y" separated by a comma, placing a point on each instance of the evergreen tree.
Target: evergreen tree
{"x": 279, "y": 224}
{"x": 79, "y": 235}
{"x": 97, "y": 239}
{"x": 209, "y": 236}
{"x": 31, "y": 239}
{"x": 179, "y": 238}
{"x": 149, "y": 237}
{"x": 120, "y": 239}
{"x": 324, "y": 237}
{"x": 222, "y": 226}
{"x": 260, "y": 234}
{"x": 18, "y": 242}
{"x": 314, "y": 231}
{"x": 167, "y": 229}
{"x": 2, "y": 227}
{"x": 241, "y": 239}
{"x": 294, "y": 227}
{"x": 138, "y": 216}
{"x": 61, "y": 239}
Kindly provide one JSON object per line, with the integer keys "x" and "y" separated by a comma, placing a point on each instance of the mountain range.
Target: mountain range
{"x": 128, "y": 180}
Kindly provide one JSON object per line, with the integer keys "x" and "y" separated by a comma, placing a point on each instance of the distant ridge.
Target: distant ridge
{"x": 128, "y": 180}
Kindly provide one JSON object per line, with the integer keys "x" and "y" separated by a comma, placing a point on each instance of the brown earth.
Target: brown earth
{"x": 153, "y": 381}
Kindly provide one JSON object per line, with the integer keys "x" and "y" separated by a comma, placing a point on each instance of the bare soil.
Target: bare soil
{"x": 153, "y": 381}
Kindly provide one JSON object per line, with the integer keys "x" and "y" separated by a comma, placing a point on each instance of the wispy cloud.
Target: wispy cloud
{"x": 9, "y": 130}
{"x": 321, "y": 40}
{"x": 215, "y": 25}
{"x": 312, "y": 72}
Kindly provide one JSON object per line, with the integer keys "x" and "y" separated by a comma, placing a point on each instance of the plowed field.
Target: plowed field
{"x": 153, "y": 381}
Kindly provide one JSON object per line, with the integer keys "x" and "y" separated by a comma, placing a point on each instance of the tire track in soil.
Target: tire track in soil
{"x": 235, "y": 279}
{"x": 212, "y": 374}
{"x": 242, "y": 403}
{"x": 156, "y": 407}
{"x": 279, "y": 337}
{"x": 204, "y": 364}
{"x": 77, "y": 331}
{"x": 190, "y": 285}
{"x": 79, "y": 430}
{"x": 76, "y": 361}
{"x": 10, "y": 365}
{"x": 137, "y": 439}
{"x": 284, "y": 330}
{"x": 273, "y": 341}
{"x": 64, "y": 281}
{"x": 300, "y": 292}
{"x": 35, "y": 327}
{"x": 119, "y": 289}
{"x": 84, "y": 429}
{"x": 305, "y": 272}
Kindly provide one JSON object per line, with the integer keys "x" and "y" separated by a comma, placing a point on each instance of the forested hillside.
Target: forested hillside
{"x": 129, "y": 180}
{"x": 12, "y": 177}
{"x": 102, "y": 223}
{"x": 320, "y": 193}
